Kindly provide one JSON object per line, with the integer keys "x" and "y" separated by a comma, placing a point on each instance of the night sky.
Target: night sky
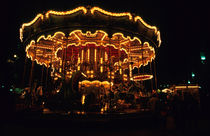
{"x": 184, "y": 28}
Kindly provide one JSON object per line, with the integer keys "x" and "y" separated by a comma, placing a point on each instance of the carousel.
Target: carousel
{"x": 95, "y": 60}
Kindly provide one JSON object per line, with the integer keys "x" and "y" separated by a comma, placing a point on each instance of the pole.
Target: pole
{"x": 46, "y": 79}
{"x": 24, "y": 73}
{"x": 31, "y": 76}
{"x": 42, "y": 75}
{"x": 143, "y": 83}
{"x": 155, "y": 74}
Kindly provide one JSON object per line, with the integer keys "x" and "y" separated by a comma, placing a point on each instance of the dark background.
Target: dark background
{"x": 184, "y": 27}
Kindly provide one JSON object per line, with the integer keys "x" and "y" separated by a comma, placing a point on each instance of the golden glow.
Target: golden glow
{"x": 167, "y": 90}
{"x": 106, "y": 56}
{"x": 66, "y": 12}
{"x": 142, "y": 21}
{"x": 120, "y": 71}
{"x": 130, "y": 70}
{"x": 103, "y": 109}
{"x": 112, "y": 77}
{"x": 95, "y": 56}
{"x": 158, "y": 38}
{"x": 105, "y": 45}
{"x": 101, "y": 60}
{"x": 88, "y": 51}
{"x": 76, "y": 36}
{"x": 34, "y": 59}
{"x": 82, "y": 56}
{"x": 125, "y": 77}
{"x": 77, "y": 42}
{"x": 106, "y": 106}
{"x": 142, "y": 77}
{"x": 92, "y": 10}
{"x": 78, "y": 60}
{"x": 60, "y": 70}
{"x": 84, "y": 74}
{"x": 105, "y": 34}
{"x": 83, "y": 99}
{"x": 96, "y": 82}
{"x": 190, "y": 86}
{"x": 101, "y": 69}
{"x": 78, "y": 68}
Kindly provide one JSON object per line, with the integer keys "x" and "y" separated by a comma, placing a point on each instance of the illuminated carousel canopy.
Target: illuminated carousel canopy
{"x": 90, "y": 40}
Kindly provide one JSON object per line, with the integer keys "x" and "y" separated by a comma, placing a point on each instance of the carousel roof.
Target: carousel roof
{"x": 89, "y": 19}
{"x": 47, "y": 35}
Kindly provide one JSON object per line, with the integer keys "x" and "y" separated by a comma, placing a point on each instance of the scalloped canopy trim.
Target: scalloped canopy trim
{"x": 92, "y": 11}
